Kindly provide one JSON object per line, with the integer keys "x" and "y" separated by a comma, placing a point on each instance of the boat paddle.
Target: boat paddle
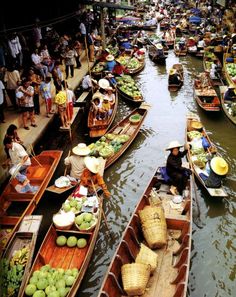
{"x": 103, "y": 214}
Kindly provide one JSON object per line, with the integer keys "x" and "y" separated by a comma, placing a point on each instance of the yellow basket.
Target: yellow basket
{"x": 135, "y": 277}
{"x": 154, "y": 226}
{"x": 147, "y": 256}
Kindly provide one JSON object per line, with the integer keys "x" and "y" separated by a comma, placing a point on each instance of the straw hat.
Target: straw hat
{"x": 110, "y": 75}
{"x": 192, "y": 38}
{"x": 109, "y": 89}
{"x": 92, "y": 164}
{"x": 110, "y": 58}
{"x": 173, "y": 144}
{"x": 219, "y": 165}
{"x": 172, "y": 71}
{"x": 103, "y": 83}
{"x": 81, "y": 150}
{"x": 97, "y": 95}
{"x": 159, "y": 46}
{"x": 196, "y": 125}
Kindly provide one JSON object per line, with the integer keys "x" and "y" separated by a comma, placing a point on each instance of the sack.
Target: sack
{"x": 205, "y": 143}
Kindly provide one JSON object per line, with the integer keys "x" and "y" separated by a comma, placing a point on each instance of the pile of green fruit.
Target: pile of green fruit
{"x": 12, "y": 272}
{"x": 98, "y": 67}
{"x": 51, "y": 282}
{"x": 135, "y": 118}
{"x": 85, "y": 221}
{"x": 130, "y": 64}
{"x": 128, "y": 85}
{"x": 73, "y": 204}
{"x": 71, "y": 241}
{"x": 108, "y": 144}
{"x": 231, "y": 68}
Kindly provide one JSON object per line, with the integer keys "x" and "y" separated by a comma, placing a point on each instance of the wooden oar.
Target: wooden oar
{"x": 103, "y": 214}
{"x": 33, "y": 155}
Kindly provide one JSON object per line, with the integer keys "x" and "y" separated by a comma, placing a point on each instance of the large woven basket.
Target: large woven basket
{"x": 147, "y": 256}
{"x": 154, "y": 226}
{"x": 135, "y": 277}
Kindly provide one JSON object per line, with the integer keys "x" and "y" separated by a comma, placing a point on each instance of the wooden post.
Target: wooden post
{"x": 103, "y": 30}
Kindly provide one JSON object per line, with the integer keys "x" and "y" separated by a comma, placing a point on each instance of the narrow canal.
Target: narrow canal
{"x": 213, "y": 266}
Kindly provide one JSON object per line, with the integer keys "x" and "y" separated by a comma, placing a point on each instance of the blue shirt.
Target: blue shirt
{"x": 110, "y": 65}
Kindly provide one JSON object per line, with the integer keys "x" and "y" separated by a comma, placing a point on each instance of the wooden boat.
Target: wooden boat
{"x": 206, "y": 96}
{"x": 154, "y": 39}
{"x": 180, "y": 71}
{"x": 25, "y": 237}
{"x": 197, "y": 167}
{"x": 67, "y": 257}
{"x": 126, "y": 60}
{"x": 125, "y": 127}
{"x": 152, "y": 53}
{"x": 129, "y": 96}
{"x": 170, "y": 278}
{"x": 39, "y": 173}
{"x": 97, "y": 128}
{"x": 180, "y": 52}
{"x": 208, "y": 58}
{"x": 170, "y": 38}
{"x": 227, "y": 105}
{"x": 226, "y": 68}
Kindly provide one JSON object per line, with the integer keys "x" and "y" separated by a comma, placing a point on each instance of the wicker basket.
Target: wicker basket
{"x": 147, "y": 256}
{"x": 154, "y": 226}
{"x": 135, "y": 277}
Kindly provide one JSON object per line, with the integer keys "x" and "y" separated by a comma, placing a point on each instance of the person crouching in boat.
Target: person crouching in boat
{"x": 90, "y": 176}
{"x": 217, "y": 170}
{"x": 230, "y": 93}
{"x": 174, "y": 77}
{"x": 179, "y": 175}
{"x": 76, "y": 161}
{"x": 19, "y": 162}
{"x": 110, "y": 63}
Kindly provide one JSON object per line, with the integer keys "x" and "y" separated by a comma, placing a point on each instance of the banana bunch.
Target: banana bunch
{"x": 20, "y": 257}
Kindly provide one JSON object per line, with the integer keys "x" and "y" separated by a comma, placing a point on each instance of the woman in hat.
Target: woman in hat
{"x": 218, "y": 170}
{"x": 178, "y": 174}
{"x": 90, "y": 176}
{"x": 230, "y": 93}
{"x": 76, "y": 161}
{"x": 174, "y": 77}
{"x": 110, "y": 63}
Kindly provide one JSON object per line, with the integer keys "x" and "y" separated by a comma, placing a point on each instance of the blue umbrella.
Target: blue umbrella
{"x": 194, "y": 19}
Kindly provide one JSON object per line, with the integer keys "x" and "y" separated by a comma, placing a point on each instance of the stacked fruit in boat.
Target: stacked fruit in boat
{"x": 129, "y": 86}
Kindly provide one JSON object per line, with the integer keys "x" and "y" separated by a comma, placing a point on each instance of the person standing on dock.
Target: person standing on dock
{"x": 60, "y": 101}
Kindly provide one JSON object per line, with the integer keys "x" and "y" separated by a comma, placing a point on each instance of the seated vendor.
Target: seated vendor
{"x": 174, "y": 78}
{"x": 230, "y": 93}
{"x": 218, "y": 170}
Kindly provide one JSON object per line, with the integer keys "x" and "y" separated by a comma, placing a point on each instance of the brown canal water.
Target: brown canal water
{"x": 213, "y": 265}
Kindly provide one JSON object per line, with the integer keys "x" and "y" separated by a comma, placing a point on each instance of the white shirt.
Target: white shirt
{"x": 36, "y": 59}
{"x": 82, "y": 29}
{"x": 86, "y": 83}
{"x": 1, "y": 92}
{"x": 201, "y": 43}
{"x": 12, "y": 78}
{"x": 77, "y": 165}
{"x": 15, "y": 47}
{"x": 17, "y": 152}
{"x": 69, "y": 96}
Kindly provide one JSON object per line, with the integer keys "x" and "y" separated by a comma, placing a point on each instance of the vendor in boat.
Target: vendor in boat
{"x": 230, "y": 93}
{"x": 179, "y": 175}
{"x": 138, "y": 53}
{"x": 110, "y": 63}
{"x": 110, "y": 77}
{"x": 217, "y": 172}
{"x": 125, "y": 43}
{"x": 90, "y": 176}
{"x": 174, "y": 77}
{"x": 76, "y": 161}
{"x": 119, "y": 69}
{"x": 111, "y": 98}
{"x": 96, "y": 106}
{"x": 201, "y": 44}
{"x": 105, "y": 109}
{"x": 160, "y": 51}
{"x": 19, "y": 162}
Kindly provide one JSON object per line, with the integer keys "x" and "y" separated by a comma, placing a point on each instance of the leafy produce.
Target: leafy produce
{"x": 85, "y": 221}
{"x": 98, "y": 67}
{"x": 58, "y": 280}
{"x": 231, "y": 68}
{"x": 194, "y": 134}
{"x": 135, "y": 118}
{"x": 12, "y": 271}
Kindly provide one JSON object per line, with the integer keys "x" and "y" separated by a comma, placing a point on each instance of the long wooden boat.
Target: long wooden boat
{"x": 67, "y": 257}
{"x": 126, "y": 127}
{"x": 23, "y": 240}
{"x": 152, "y": 53}
{"x": 206, "y": 97}
{"x": 180, "y": 71}
{"x": 97, "y": 127}
{"x": 208, "y": 59}
{"x": 39, "y": 173}
{"x": 132, "y": 96}
{"x": 227, "y": 105}
{"x": 170, "y": 278}
{"x": 227, "y": 66}
{"x": 154, "y": 39}
{"x": 198, "y": 167}
{"x": 127, "y": 60}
